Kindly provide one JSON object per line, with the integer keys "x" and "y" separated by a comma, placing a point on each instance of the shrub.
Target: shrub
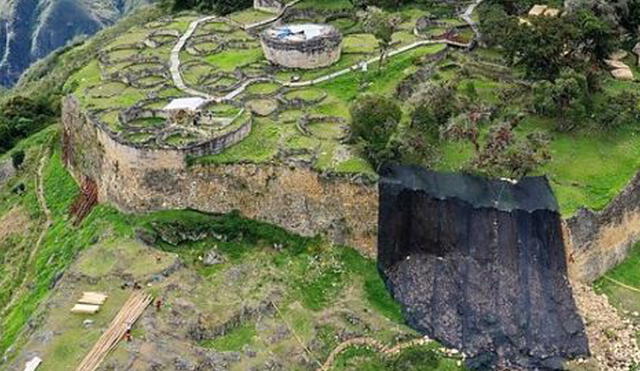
{"x": 618, "y": 110}
{"x": 434, "y": 105}
{"x": 21, "y": 117}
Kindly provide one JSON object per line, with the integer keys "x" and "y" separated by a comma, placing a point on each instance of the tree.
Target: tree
{"x": 374, "y": 121}
{"x": 567, "y": 99}
{"x": 496, "y": 24}
{"x": 544, "y": 46}
{"x": 382, "y": 25}
{"x": 540, "y": 47}
{"x": 595, "y": 39}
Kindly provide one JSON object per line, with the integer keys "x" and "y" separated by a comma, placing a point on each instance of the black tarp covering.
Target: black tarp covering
{"x": 480, "y": 265}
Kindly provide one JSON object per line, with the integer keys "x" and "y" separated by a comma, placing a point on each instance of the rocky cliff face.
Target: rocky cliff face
{"x": 480, "y": 266}
{"x": 31, "y": 29}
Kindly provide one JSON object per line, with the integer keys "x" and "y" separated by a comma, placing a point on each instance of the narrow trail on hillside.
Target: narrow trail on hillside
{"x": 175, "y": 62}
{"x": 371, "y": 343}
{"x": 621, "y": 284}
{"x": 42, "y": 202}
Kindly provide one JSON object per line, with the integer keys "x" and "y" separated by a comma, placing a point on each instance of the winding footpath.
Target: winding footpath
{"x": 175, "y": 63}
{"x": 42, "y": 202}
{"x": 370, "y": 343}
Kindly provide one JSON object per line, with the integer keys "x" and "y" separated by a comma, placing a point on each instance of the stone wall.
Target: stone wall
{"x": 298, "y": 199}
{"x": 598, "y": 241}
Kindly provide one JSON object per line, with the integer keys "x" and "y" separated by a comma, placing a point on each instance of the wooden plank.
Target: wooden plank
{"x": 33, "y": 364}
{"x": 85, "y": 309}
{"x": 95, "y": 298}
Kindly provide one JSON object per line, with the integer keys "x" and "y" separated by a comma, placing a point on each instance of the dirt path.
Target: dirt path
{"x": 175, "y": 63}
{"x": 631, "y": 288}
{"x": 45, "y": 228}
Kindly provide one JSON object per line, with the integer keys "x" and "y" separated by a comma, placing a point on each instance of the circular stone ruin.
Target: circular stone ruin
{"x": 302, "y": 45}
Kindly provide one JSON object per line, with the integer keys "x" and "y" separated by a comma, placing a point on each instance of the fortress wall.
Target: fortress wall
{"x": 297, "y": 199}
{"x": 301, "y": 200}
{"x": 598, "y": 241}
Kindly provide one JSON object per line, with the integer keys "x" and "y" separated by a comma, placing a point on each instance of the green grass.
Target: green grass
{"x": 60, "y": 246}
{"x": 308, "y": 94}
{"x": 264, "y": 88}
{"x": 234, "y": 340}
{"x": 258, "y": 147}
{"x": 250, "y": 16}
{"x": 229, "y": 60}
{"x": 423, "y": 357}
{"x": 628, "y": 273}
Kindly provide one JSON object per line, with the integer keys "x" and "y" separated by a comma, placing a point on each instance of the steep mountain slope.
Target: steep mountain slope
{"x": 31, "y": 29}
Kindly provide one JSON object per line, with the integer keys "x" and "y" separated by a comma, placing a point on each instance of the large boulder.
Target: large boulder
{"x": 623, "y": 74}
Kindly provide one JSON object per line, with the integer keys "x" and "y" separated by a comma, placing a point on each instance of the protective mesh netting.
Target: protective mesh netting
{"x": 480, "y": 265}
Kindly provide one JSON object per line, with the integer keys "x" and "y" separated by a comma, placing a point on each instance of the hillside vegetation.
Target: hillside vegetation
{"x": 299, "y": 295}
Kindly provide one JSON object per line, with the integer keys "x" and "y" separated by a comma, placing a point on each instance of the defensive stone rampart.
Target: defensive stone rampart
{"x": 138, "y": 179}
{"x": 141, "y": 180}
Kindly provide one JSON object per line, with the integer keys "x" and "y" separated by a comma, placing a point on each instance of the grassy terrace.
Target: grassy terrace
{"x": 278, "y": 133}
{"x": 589, "y": 167}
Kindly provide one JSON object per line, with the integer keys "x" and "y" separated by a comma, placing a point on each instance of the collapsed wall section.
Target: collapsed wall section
{"x": 141, "y": 180}
{"x": 480, "y": 265}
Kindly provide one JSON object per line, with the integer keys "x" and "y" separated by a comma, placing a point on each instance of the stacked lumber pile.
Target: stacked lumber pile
{"x": 89, "y": 303}
{"x": 128, "y": 315}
